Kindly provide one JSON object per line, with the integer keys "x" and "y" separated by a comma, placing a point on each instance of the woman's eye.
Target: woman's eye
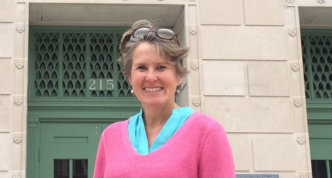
{"x": 161, "y": 67}
{"x": 141, "y": 67}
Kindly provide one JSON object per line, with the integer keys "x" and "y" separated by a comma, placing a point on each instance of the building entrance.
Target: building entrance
{"x": 75, "y": 91}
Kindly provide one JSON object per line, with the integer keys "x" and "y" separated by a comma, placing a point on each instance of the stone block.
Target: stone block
{"x": 226, "y": 12}
{"x": 5, "y": 174}
{"x": 223, "y": 78}
{"x": 256, "y": 115}
{"x": 241, "y": 150}
{"x": 5, "y": 76}
{"x": 245, "y": 43}
{"x": 4, "y": 113}
{"x": 20, "y": 12}
{"x": 6, "y": 38}
{"x": 274, "y": 153}
{"x": 5, "y": 159}
{"x": 264, "y": 12}
{"x": 7, "y": 9}
{"x": 268, "y": 79}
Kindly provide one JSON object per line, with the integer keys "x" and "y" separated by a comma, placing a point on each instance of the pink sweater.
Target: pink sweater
{"x": 199, "y": 148}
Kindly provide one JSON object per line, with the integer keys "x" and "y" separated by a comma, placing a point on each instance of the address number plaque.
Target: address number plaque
{"x": 101, "y": 84}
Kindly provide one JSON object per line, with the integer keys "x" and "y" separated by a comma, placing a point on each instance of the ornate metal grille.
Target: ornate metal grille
{"x": 46, "y": 65}
{"x": 76, "y": 64}
{"x": 317, "y": 62}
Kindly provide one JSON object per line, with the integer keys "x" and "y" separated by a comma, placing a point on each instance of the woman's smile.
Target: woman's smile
{"x": 153, "y": 89}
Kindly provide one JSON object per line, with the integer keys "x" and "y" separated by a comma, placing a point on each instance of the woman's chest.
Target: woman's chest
{"x": 171, "y": 163}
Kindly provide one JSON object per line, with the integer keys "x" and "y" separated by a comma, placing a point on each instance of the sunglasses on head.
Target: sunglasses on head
{"x": 163, "y": 33}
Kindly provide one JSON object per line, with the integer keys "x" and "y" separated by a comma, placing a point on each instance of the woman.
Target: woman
{"x": 163, "y": 139}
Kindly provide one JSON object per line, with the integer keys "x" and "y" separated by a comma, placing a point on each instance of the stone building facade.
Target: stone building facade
{"x": 245, "y": 62}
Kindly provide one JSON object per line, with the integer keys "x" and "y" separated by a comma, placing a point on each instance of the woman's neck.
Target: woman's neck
{"x": 157, "y": 116}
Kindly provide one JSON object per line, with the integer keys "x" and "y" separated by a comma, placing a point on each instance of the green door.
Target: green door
{"x": 68, "y": 149}
{"x": 75, "y": 90}
{"x": 317, "y": 65}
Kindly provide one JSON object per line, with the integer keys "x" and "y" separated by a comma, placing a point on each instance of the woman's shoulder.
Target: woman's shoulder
{"x": 116, "y": 126}
{"x": 204, "y": 123}
{"x": 204, "y": 120}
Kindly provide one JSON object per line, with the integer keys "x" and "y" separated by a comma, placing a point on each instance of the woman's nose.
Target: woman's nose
{"x": 151, "y": 76}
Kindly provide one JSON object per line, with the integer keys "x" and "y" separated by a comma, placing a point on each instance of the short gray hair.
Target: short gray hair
{"x": 168, "y": 49}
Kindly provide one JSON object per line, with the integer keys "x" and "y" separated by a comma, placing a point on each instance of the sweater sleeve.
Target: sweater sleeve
{"x": 216, "y": 159}
{"x": 100, "y": 160}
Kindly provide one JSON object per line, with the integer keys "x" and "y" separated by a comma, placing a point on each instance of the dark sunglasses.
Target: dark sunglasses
{"x": 163, "y": 33}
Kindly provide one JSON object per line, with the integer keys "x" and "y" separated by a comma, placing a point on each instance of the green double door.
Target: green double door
{"x": 68, "y": 150}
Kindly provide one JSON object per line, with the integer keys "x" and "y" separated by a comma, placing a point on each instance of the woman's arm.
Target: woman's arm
{"x": 100, "y": 160}
{"x": 216, "y": 159}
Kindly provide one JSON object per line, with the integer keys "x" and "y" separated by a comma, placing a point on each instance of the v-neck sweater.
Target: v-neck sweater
{"x": 199, "y": 149}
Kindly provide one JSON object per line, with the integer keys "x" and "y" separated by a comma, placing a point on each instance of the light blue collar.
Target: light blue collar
{"x": 137, "y": 134}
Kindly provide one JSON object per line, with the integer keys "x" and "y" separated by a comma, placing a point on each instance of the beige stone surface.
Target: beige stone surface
{"x": 19, "y": 42}
{"x": 241, "y": 150}
{"x": 5, "y": 174}
{"x": 274, "y": 152}
{"x": 245, "y": 42}
{"x": 268, "y": 79}
{"x": 264, "y": 12}
{"x": 5, "y": 76}
{"x": 5, "y": 156}
{"x": 17, "y": 152}
{"x": 223, "y": 78}
{"x": 291, "y": 17}
{"x": 256, "y": 115}
{"x": 295, "y": 78}
{"x": 17, "y": 114}
{"x": 299, "y": 115}
{"x": 226, "y": 12}
{"x": 6, "y": 38}
{"x": 303, "y": 151}
{"x": 18, "y": 76}
{"x": 5, "y": 116}
{"x": 20, "y": 12}
{"x": 7, "y": 9}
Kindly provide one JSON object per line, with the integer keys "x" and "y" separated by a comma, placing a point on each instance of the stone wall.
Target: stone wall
{"x": 252, "y": 82}
{"x": 13, "y": 88}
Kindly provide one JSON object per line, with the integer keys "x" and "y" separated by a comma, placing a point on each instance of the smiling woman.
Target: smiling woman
{"x": 163, "y": 139}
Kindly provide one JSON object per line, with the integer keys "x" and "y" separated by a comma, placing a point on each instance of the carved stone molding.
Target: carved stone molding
{"x": 193, "y": 30}
{"x": 20, "y": 27}
{"x": 320, "y": 109}
{"x": 194, "y": 65}
{"x": 17, "y": 139}
{"x": 321, "y": 1}
{"x": 304, "y": 176}
{"x": 196, "y": 102}
{"x": 19, "y": 64}
{"x": 295, "y": 67}
{"x": 16, "y": 176}
{"x": 298, "y": 102}
{"x": 81, "y": 108}
{"x": 301, "y": 140}
{"x": 18, "y": 101}
{"x": 292, "y": 32}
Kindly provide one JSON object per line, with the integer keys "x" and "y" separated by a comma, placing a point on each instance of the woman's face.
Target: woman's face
{"x": 154, "y": 81}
